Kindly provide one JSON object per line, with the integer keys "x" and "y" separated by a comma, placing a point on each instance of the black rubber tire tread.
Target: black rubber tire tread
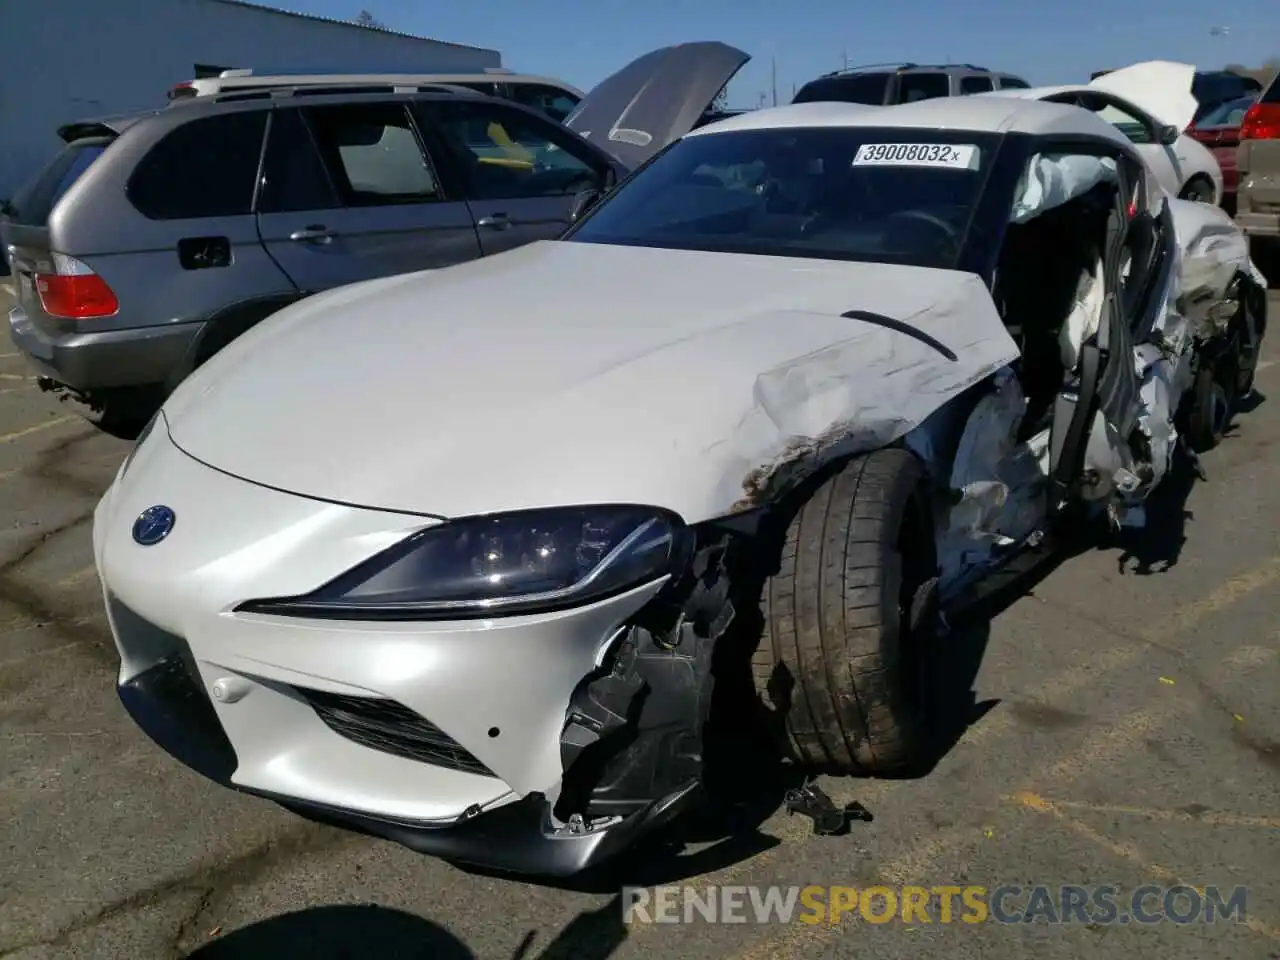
{"x": 831, "y": 621}
{"x": 1202, "y": 434}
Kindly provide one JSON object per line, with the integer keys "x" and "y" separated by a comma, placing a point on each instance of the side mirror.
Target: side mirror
{"x": 583, "y": 201}
{"x": 1169, "y": 136}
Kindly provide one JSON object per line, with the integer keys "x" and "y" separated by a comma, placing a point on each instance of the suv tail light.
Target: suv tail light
{"x": 1262, "y": 122}
{"x": 182, "y": 90}
{"x": 73, "y": 291}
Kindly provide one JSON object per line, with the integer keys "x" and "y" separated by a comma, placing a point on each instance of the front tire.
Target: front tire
{"x": 840, "y": 665}
{"x": 1214, "y": 398}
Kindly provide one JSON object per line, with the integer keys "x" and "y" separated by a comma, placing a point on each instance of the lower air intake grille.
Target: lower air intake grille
{"x": 391, "y": 727}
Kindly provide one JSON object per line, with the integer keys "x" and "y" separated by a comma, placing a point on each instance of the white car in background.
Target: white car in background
{"x": 1150, "y": 103}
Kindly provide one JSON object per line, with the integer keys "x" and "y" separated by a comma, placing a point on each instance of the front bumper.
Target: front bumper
{"x": 170, "y": 706}
{"x": 443, "y": 736}
{"x": 104, "y": 360}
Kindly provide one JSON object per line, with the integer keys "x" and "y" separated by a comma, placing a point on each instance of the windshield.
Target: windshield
{"x": 877, "y": 194}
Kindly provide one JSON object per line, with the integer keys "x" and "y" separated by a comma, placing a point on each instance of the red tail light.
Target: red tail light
{"x": 1262, "y": 122}
{"x": 74, "y": 292}
{"x": 182, "y": 90}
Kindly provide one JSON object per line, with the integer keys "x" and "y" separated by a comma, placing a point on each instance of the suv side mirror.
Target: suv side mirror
{"x": 1169, "y": 135}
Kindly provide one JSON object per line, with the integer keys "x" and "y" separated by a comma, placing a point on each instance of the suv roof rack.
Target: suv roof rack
{"x": 889, "y": 65}
{"x": 901, "y": 65}
{"x": 275, "y": 92}
{"x": 245, "y": 80}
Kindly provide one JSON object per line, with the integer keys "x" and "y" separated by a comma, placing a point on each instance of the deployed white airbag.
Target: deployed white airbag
{"x": 1053, "y": 179}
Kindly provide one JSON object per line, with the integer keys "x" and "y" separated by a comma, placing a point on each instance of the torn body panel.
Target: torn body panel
{"x": 867, "y": 391}
{"x": 1203, "y": 301}
{"x": 634, "y": 730}
{"x": 995, "y": 496}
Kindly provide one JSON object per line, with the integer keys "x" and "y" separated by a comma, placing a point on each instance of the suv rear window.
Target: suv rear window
{"x": 1272, "y": 94}
{"x": 36, "y": 200}
{"x": 205, "y": 168}
{"x": 850, "y": 88}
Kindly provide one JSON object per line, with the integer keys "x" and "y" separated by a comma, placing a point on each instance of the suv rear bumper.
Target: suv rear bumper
{"x": 85, "y": 362}
{"x": 1259, "y": 224}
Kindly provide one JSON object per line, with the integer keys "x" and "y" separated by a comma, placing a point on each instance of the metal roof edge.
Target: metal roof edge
{"x": 352, "y": 23}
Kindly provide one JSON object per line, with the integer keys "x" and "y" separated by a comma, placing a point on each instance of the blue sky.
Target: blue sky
{"x": 582, "y": 42}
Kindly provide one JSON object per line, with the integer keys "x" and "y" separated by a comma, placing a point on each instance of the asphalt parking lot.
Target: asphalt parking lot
{"x": 1131, "y": 735}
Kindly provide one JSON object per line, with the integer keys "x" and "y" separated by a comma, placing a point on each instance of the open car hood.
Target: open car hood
{"x": 1160, "y": 87}
{"x": 655, "y": 99}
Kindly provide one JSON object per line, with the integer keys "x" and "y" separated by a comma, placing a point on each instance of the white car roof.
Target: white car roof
{"x": 977, "y": 113}
{"x": 1038, "y": 93}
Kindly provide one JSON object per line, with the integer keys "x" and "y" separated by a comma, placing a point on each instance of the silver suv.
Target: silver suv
{"x": 153, "y": 240}
{"x": 884, "y": 84}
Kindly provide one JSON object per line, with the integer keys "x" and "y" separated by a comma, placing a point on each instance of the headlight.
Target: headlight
{"x": 526, "y": 562}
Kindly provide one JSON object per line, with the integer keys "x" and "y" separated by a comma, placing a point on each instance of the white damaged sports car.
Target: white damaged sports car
{"x": 445, "y": 557}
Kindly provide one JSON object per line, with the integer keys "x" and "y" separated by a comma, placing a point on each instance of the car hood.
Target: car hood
{"x": 655, "y": 99}
{"x": 1160, "y": 87}
{"x": 574, "y": 373}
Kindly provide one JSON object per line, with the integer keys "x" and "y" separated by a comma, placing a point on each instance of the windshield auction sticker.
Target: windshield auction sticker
{"x": 954, "y": 156}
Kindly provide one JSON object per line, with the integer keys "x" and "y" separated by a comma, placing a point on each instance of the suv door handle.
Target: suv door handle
{"x": 495, "y": 221}
{"x": 314, "y": 233}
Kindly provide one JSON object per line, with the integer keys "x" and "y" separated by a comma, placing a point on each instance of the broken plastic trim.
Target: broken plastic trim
{"x": 828, "y": 819}
{"x": 633, "y": 731}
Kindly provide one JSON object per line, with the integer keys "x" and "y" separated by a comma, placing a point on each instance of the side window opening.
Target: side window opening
{"x": 207, "y": 167}
{"x": 1135, "y": 127}
{"x": 372, "y": 154}
{"x": 1050, "y": 285}
{"x": 976, "y": 83}
{"x": 506, "y": 154}
{"x": 913, "y": 86}
{"x": 293, "y": 174}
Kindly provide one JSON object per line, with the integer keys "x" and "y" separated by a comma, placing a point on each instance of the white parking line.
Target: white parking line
{"x": 47, "y": 425}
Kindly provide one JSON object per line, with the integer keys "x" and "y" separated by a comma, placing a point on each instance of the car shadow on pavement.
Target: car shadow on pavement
{"x": 369, "y": 932}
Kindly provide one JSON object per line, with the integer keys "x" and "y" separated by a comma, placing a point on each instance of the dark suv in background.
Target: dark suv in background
{"x": 887, "y": 84}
